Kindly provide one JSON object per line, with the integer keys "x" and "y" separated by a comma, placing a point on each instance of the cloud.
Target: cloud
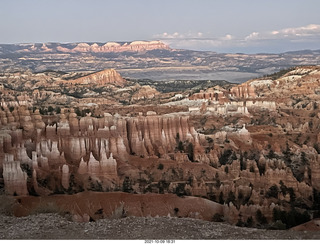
{"x": 304, "y": 32}
{"x": 193, "y": 40}
{"x": 204, "y": 41}
{"x": 177, "y": 35}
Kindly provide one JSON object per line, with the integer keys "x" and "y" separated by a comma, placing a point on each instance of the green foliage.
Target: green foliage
{"x": 262, "y": 168}
{"x": 261, "y": 218}
{"x": 278, "y": 225}
{"x": 180, "y": 146}
{"x": 190, "y": 152}
{"x": 291, "y": 218}
{"x": 226, "y": 158}
{"x": 292, "y": 195}
{"x": 249, "y": 222}
{"x": 221, "y": 200}
{"x": 94, "y": 186}
{"x": 271, "y": 154}
{"x": 209, "y": 140}
{"x": 217, "y": 217}
{"x": 304, "y": 159}
{"x": 272, "y": 192}
{"x": 163, "y": 186}
{"x": 43, "y": 111}
{"x": 231, "y": 197}
{"x": 278, "y": 74}
{"x": 58, "y": 110}
{"x": 316, "y": 199}
{"x": 180, "y": 190}
{"x": 160, "y": 166}
{"x": 240, "y": 223}
{"x": 243, "y": 162}
{"x": 127, "y": 185}
{"x": 50, "y": 109}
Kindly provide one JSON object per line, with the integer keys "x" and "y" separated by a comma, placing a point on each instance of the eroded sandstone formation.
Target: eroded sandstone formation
{"x": 252, "y": 154}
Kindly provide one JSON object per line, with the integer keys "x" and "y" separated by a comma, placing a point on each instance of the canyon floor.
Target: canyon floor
{"x": 54, "y": 226}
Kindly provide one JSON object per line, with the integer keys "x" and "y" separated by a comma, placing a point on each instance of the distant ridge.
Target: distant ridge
{"x": 85, "y": 47}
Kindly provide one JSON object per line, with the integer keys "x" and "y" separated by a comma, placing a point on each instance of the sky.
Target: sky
{"x": 230, "y": 26}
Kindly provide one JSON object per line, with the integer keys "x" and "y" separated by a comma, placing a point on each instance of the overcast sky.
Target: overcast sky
{"x": 249, "y": 26}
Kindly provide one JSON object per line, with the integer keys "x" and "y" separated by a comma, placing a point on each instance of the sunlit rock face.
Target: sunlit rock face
{"x": 105, "y": 77}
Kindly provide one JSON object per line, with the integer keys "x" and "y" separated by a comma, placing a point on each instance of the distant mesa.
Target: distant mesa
{"x": 136, "y": 46}
{"x": 109, "y": 47}
{"x": 104, "y": 77}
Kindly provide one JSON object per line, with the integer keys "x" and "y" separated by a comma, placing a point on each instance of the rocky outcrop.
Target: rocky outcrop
{"x": 145, "y": 93}
{"x": 105, "y": 77}
{"x": 243, "y": 91}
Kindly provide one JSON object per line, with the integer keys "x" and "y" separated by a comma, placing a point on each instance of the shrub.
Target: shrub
{"x": 262, "y": 168}
{"x": 160, "y": 166}
{"x": 127, "y": 185}
{"x": 50, "y": 109}
{"x": 231, "y": 197}
{"x": 190, "y": 152}
{"x": 221, "y": 200}
{"x": 240, "y": 223}
{"x": 119, "y": 212}
{"x": 278, "y": 225}
{"x": 249, "y": 222}
{"x": 291, "y": 218}
{"x": 217, "y": 217}
{"x": 162, "y": 186}
{"x": 271, "y": 154}
{"x": 180, "y": 191}
{"x": 225, "y": 157}
{"x": 272, "y": 192}
{"x": 261, "y": 218}
{"x": 180, "y": 146}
